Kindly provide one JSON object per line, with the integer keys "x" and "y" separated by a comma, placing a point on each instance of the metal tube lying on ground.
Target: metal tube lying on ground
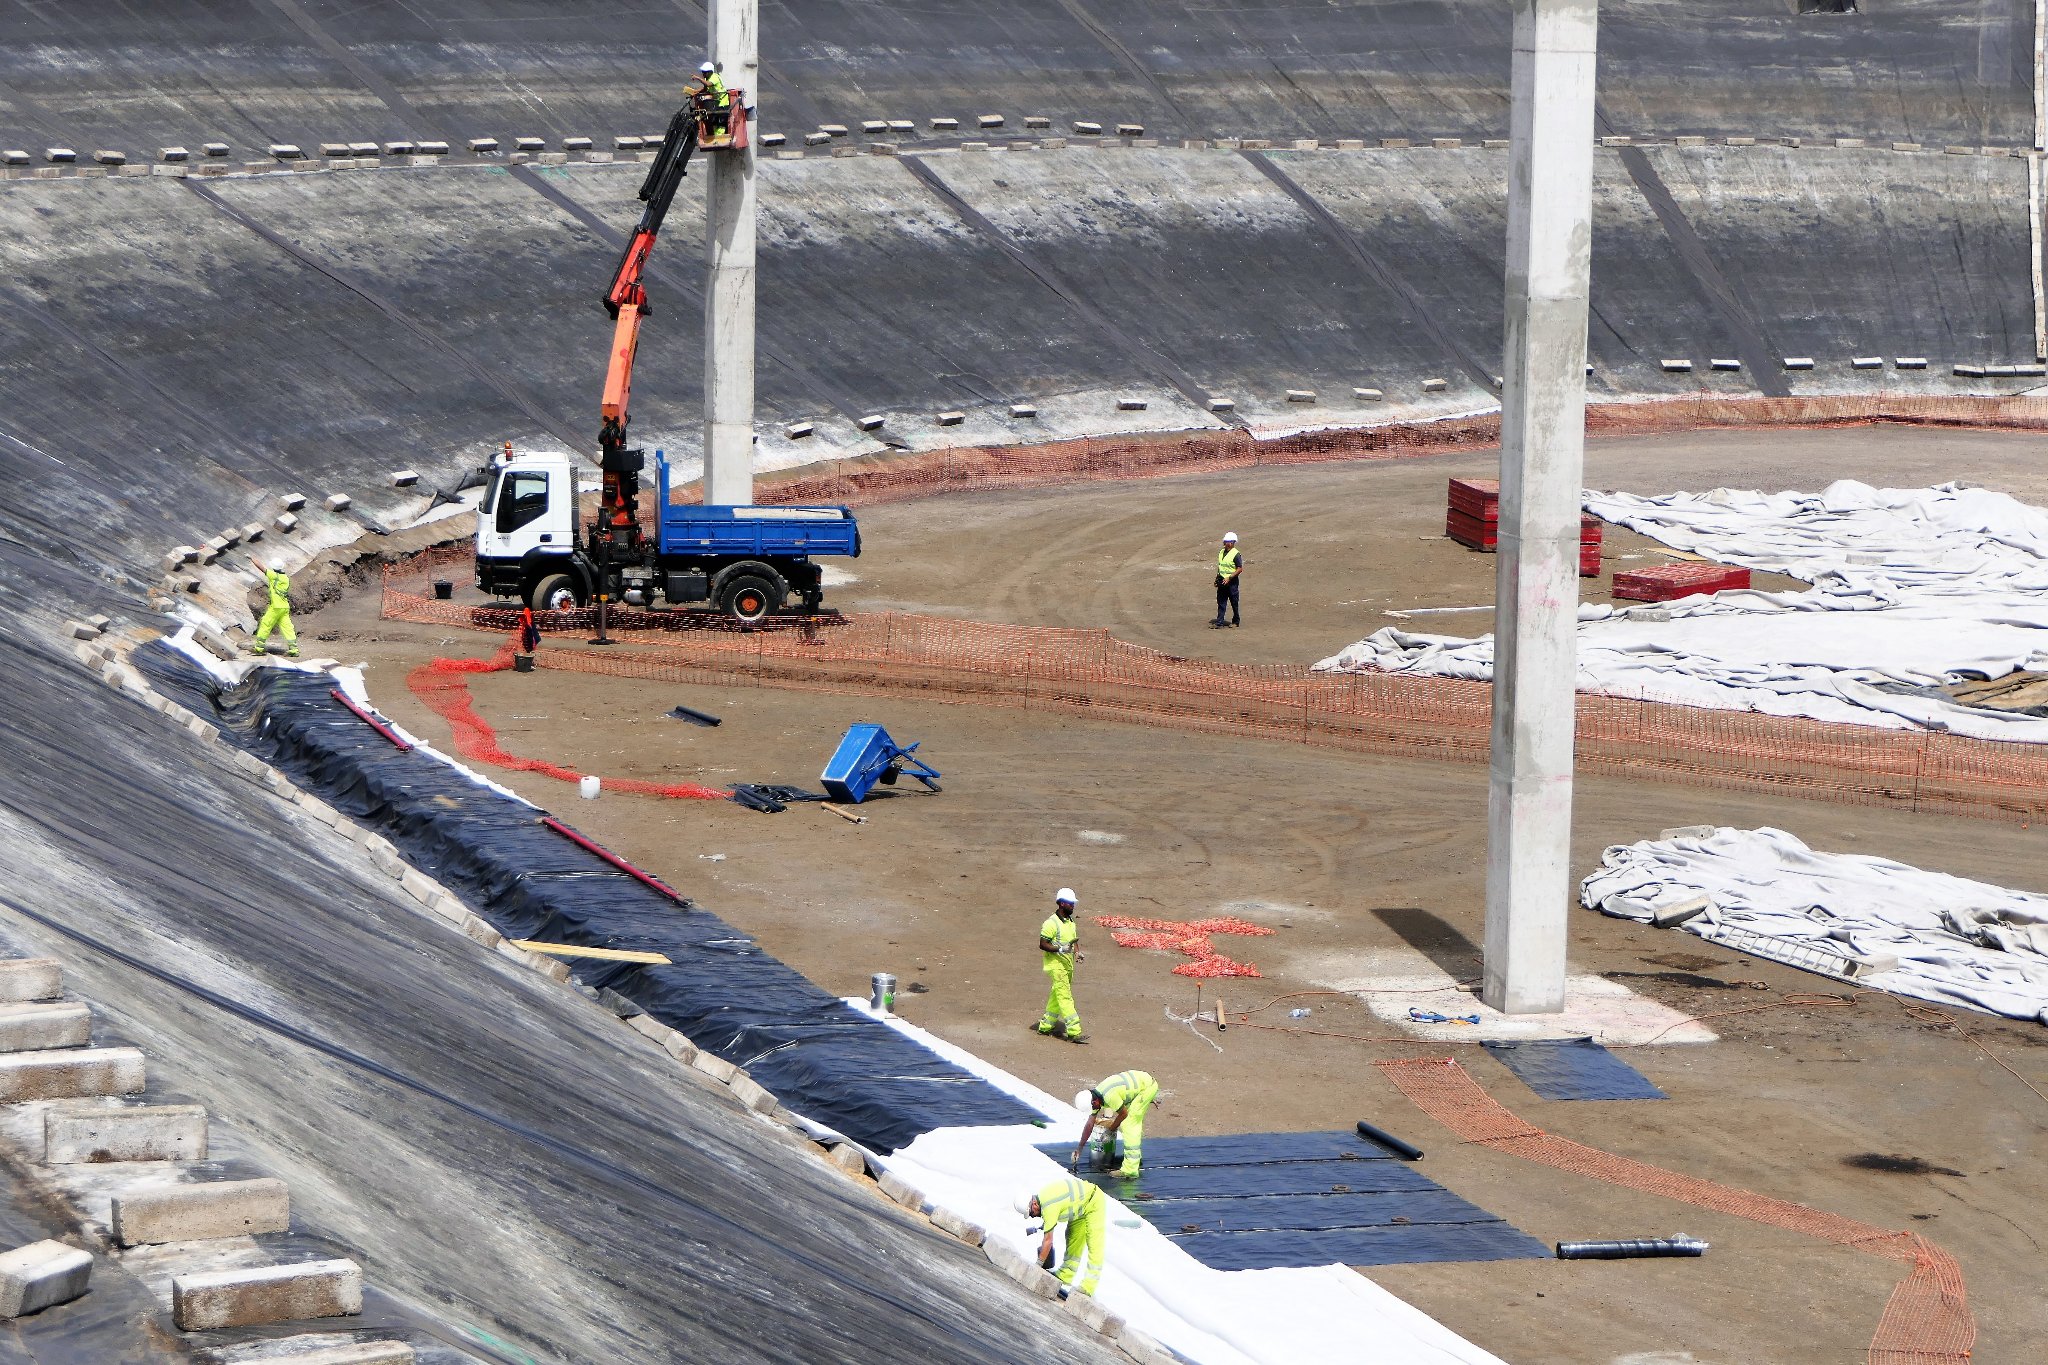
{"x": 1393, "y": 1144}
{"x": 1680, "y": 1245}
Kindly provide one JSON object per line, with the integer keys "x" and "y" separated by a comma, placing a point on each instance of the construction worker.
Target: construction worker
{"x": 278, "y": 614}
{"x": 1229, "y": 567}
{"x": 529, "y": 631}
{"x": 1059, "y": 939}
{"x": 1083, "y": 1209}
{"x": 1118, "y": 1107}
{"x": 710, "y": 94}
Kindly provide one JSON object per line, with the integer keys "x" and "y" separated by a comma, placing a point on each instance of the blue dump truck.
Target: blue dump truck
{"x": 748, "y": 562}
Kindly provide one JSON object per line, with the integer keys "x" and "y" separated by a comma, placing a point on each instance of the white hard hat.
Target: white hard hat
{"x": 1022, "y": 1203}
{"x": 1066, "y": 896}
{"x": 707, "y": 68}
{"x": 1230, "y": 535}
{"x": 1085, "y": 1101}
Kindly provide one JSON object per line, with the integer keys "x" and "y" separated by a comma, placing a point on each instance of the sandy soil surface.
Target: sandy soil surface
{"x": 1365, "y": 867}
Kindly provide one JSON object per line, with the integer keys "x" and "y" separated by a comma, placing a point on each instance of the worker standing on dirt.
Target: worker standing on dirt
{"x": 1059, "y": 940}
{"x": 716, "y": 99}
{"x": 1083, "y": 1209}
{"x": 1229, "y": 568}
{"x": 1118, "y": 1107}
{"x": 277, "y": 615}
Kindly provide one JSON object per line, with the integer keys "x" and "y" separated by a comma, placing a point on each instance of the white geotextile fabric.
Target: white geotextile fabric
{"x": 1321, "y": 1315}
{"x": 1956, "y": 941}
{"x": 1910, "y": 586}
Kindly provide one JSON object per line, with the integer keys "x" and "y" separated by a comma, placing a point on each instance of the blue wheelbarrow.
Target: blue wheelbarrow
{"x": 866, "y": 755}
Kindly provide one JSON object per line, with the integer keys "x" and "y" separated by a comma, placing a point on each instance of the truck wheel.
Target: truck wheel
{"x": 747, "y": 598}
{"x": 556, "y": 592}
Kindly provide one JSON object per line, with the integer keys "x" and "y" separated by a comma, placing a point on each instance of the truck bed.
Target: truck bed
{"x": 692, "y": 529}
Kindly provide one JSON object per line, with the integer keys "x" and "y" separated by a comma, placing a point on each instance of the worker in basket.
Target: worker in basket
{"x": 709, "y": 93}
{"x": 1059, "y": 943}
{"x": 1085, "y": 1211}
{"x": 1116, "y": 1118}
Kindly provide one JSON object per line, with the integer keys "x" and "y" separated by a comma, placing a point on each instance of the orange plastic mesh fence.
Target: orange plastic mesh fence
{"x": 1927, "y": 1321}
{"x": 1190, "y": 938}
{"x": 442, "y": 685}
{"x": 1090, "y": 673}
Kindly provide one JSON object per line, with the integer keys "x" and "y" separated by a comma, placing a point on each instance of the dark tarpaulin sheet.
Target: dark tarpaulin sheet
{"x": 822, "y": 1059}
{"x": 1573, "y": 1069}
{"x": 1255, "y": 1201}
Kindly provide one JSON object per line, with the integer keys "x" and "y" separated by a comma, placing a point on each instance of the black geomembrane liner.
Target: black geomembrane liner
{"x": 1573, "y": 1069}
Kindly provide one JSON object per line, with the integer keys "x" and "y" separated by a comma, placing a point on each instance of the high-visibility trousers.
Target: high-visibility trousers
{"x": 277, "y": 618}
{"x": 1132, "y": 1129}
{"x": 1060, "y": 1015}
{"x": 1086, "y": 1233}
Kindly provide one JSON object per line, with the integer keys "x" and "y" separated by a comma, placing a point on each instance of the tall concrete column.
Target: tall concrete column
{"x": 1543, "y": 432}
{"x": 735, "y": 45}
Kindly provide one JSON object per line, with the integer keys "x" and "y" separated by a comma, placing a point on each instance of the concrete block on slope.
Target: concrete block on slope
{"x": 33, "y": 1025}
{"x": 201, "y": 1212}
{"x": 1022, "y": 1269}
{"x": 82, "y": 1135}
{"x": 42, "y": 1275}
{"x": 72, "y": 1073}
{"x": 31, "y": 978}
{"x": 257, "y": 1295}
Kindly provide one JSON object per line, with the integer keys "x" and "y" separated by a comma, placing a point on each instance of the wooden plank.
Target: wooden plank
{"x": 575, "y": 950}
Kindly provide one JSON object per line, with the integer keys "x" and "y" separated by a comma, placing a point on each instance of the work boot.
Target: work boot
{"x": 259, "y": 649}
{"x": 1064, "y": 1291}
{"x": 1045, "y": 1029}
{"x": 1077, "y": 1037}
{"x": 292, "y": 653}
{"x": 1127, "y": 1171}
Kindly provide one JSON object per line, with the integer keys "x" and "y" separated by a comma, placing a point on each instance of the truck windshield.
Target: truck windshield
{"x": 523, "y": 498}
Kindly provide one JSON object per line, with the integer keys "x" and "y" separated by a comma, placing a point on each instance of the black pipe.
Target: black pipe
{"x": 1680, "y": 1245}
{"x": 1407, "y": 1150}
{"x": 693, "y": 715}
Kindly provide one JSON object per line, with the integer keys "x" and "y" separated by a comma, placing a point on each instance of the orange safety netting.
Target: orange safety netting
{"x": 1090, "y": 673}
{"x": 440, "y": 684}
{"x": 1190, "y": 938}
{"x": 1927, "y": 1320}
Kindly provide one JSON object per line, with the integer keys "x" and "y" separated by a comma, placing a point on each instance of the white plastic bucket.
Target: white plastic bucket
{"x": 589, "y": 786}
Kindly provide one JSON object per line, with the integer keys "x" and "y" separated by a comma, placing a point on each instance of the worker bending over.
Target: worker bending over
{"x": 1229, "y": 569}
{"x": 1118, "y": 1107}
{"x": 1059, "y": 940}
{"x": 277, "y": 615}
{"x": 1085, "y": 1211}
{"x": 710, "y": 92}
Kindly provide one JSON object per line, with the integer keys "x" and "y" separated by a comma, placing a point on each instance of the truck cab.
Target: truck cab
{"x": 747, "y": 561}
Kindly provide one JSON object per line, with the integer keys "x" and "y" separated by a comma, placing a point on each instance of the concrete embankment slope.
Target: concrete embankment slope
{"x": 102, "y": 73}
{"x": 491, "y": 1146}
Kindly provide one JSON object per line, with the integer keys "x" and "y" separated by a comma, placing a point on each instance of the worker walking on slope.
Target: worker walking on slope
{"x": 1118, "y": 1106}
{"x": 1059, "y": 940}
{"x": 1229, "y": 568}
{"x": 1085, "y": 1211}
{"x": 277, "y": 615}
{"x": 710, "y": 93}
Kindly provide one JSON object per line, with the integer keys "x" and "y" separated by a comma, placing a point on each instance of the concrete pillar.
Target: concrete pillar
{"x": 735, "y": 46}
{"x": 1543, "y": 430}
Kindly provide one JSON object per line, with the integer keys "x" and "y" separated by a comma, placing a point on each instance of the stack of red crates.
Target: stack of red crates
{"x": 1669, "y": 582}
{"x": 1473, "y": 520}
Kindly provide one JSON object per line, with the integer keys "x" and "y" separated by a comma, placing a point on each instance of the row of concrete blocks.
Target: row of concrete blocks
{"x": 1873, "y": 362}
{"x": 875, "y": 421}
{"x": 46, "y": 1055}
{"x": 748, "y": 1092}
{"x": 1845, "y": 143}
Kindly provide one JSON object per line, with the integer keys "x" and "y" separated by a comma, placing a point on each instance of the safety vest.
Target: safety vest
{"x": 1120, "y": 1089}
{"x": 1063, "y": 932}
{"x": 1066, "y": 1199}
{"x": 714, "y": 86}
{"x": 1226, "y": 562}
{"x": 280, "y": 589}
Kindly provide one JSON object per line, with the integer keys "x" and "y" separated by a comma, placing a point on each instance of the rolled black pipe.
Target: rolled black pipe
{"x": 1406, "y": 1150}
{"x": 1631, "y": 1250}
{"x": 691, "y": 713}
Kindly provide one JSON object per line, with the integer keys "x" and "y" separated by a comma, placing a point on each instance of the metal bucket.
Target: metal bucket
{"x": 443, "y": 589}
{"x": 522, "y": 663}
{"x": 882, "y": 992}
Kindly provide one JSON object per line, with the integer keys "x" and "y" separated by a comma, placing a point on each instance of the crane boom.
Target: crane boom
{"x": 626, "y": 300}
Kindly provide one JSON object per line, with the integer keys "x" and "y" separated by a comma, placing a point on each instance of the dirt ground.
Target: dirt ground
{"x": 1364, "y": 866}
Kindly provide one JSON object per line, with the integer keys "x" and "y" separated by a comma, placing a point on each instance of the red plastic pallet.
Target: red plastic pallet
{"x": 1668, "y": 582}
{"x": 1476, "y": 497}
